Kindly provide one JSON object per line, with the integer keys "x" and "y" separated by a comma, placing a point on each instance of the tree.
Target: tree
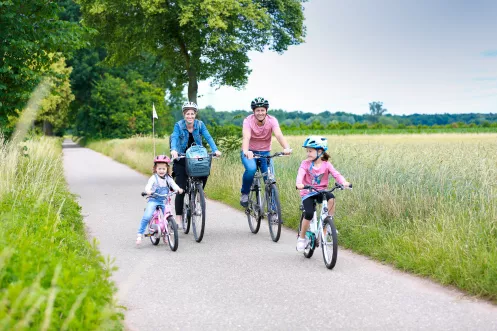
{"x": 120, "y": 108}
{"x": 376, "y": 108}
{"x": 31, "y": 34}
{"x": 198, "y": 39}
{"x": 55, "y": 108}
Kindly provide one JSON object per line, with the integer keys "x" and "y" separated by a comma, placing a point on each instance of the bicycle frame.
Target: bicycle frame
{"x": 266, "y": 204}
{"x": 160, "y": 217}
{"x": 269, "y": 176}
{"x": 319, "y": 233}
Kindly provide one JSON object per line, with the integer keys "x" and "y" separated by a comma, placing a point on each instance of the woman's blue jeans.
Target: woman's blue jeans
{"x": 149, "y": 212}
{"x": 250, "y": 169}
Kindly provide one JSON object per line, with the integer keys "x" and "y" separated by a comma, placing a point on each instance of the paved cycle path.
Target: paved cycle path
{"x": 234, "y": 280}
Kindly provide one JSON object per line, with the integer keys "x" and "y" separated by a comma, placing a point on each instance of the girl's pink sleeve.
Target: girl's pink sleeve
{"x": 338, "y": 177}
{"x": 300, "y": 175}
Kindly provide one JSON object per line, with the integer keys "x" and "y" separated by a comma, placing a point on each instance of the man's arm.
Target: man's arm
{"x": 247, "y": 134}
{"x": 279, "y": 136}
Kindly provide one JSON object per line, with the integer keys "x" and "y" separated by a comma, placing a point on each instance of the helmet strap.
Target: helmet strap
{"x": 318, "y": 155}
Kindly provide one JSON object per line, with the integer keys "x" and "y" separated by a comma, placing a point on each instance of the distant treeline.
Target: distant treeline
{"x": 343, "y": 120}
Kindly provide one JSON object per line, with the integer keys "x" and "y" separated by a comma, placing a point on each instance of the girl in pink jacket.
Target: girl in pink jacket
{"x": 315, "y": 170}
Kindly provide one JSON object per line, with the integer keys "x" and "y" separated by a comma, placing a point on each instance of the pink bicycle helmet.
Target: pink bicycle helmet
{"x": 162, "y": 159}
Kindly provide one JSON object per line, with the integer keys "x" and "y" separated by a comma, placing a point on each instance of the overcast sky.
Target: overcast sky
{"x": 425, "y": 56}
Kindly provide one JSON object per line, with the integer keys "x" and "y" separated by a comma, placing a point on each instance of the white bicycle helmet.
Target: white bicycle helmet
{"x": 190, "y": 105}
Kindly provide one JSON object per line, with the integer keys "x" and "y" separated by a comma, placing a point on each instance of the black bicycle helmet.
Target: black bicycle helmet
{"x": 259, "y": 102}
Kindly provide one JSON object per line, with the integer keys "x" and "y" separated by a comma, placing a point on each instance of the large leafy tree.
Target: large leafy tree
{"x": 120, "y": 108}
{"x": 197, "y": 39}
{"x": 31, "y": 38}
{"x": 54, "y": 110}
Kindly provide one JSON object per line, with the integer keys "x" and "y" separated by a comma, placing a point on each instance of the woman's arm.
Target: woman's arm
{"x": 174, "y": 138}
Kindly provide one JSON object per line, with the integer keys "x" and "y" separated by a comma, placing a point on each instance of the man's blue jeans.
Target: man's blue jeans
{"x": 251, "y": 168}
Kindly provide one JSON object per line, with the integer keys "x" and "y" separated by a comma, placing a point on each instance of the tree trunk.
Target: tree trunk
{"x": 192, "y": 85}
{"x": 47, "y": 128}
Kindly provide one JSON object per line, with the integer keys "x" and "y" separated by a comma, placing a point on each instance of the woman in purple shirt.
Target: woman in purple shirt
{"x": 257, "y": 131}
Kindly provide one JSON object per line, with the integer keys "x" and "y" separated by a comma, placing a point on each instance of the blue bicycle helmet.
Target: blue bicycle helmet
{"x": 316, "y": 142}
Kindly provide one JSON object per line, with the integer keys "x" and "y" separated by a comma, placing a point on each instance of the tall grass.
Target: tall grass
{"x": 424, "y": 203}
{"x": 51, "y": 277}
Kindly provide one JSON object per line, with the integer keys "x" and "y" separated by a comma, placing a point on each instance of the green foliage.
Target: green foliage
{"x": 32, "y": 39}
{"x": 55, "y": 108}
{"x": 376, "y": 108}
{"x": 298, "y": 120}
{"x": 198, "y": 39}
{"x": 228, "y": 138}
{"x": 121, "y": 108}
{"x": 51, "y": 277}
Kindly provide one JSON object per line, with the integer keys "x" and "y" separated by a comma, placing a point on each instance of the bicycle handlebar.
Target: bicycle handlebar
{"x": 278, "y": 154}
{"x": 337, "y": 186}
{"x": 183, "y": 155}
{"x": 156, "y": 195}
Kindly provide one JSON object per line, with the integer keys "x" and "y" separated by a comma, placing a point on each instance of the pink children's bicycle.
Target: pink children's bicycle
{"x": 162, "y": 224}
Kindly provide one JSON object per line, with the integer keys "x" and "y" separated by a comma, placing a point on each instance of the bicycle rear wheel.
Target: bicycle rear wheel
{"x": 187, "y": 215}
{"x": 309, "y": 250}
{"x": 172, "y": 237}
{"x": 273, "y": 212}
{"x": 197, "y": 206}
{"x": 253, "y": 211}
{"x": 329, "y": 243}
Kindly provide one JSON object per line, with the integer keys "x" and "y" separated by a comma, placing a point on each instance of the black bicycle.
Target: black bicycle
{"x": 325, "y": 232}
{"x": 270, "y": 207}
{"x": 194, "y": 205}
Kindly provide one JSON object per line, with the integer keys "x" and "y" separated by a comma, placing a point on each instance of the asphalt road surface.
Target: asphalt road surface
{"x": 235, "y": 280}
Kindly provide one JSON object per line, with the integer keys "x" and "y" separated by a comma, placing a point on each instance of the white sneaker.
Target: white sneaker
{"x": 301, "y": 244}
{"x": 139, "y": 239}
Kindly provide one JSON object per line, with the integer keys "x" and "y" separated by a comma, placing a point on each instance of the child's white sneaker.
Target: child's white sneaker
{"x": 301, "y": 244}
{"x": 139, "y": 239}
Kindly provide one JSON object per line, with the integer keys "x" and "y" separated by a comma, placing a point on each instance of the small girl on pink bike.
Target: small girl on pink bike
{"x": 161, "y": 183}
{"x": 315, "y": 170}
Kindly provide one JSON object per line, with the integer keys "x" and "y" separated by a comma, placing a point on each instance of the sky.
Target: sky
{"x": 425, "y": 57}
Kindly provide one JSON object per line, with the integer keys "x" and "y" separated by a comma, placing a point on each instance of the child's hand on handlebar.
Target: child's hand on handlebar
{"x": 300, "y": 186}
{"x": 180, "y": 191}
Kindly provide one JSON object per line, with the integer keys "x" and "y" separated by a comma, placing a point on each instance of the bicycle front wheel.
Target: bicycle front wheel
{"x": 253, "y": 211}
{"x": 273, "y": 212}
{"x": 329, "y": 243}
{"x": 197, "y": 206}
{"x": 172, "y": 236}
{"x": 154, "y": 228}
{"x": 309, "y": 250}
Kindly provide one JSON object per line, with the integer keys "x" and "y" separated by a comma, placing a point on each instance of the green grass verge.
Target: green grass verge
{"x": 424, "y": 203}
{"x": 51, "y": 277}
